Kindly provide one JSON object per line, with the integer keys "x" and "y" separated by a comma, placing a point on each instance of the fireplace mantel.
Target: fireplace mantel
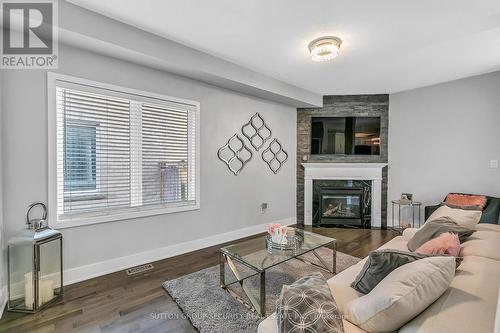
{"x": 345, "y": 171}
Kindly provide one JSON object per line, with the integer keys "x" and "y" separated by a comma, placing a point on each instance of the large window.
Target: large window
{"x": 117, "y": 153}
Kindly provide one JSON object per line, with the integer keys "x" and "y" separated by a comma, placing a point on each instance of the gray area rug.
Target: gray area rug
{"x": 212, "y": 309}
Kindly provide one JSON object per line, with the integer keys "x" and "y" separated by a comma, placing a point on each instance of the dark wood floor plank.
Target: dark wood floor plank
{"x": 120, "y": 303}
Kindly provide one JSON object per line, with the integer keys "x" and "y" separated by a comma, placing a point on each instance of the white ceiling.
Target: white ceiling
{"x": 388, "y": 46}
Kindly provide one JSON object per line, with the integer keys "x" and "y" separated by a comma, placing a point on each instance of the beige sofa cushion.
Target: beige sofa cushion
{"x": 402, "y": 295}
{"x": 397, "y": 243}
{"x": 482, "y": 244}
{"x": 340, "y": 284}
{"x": 464, "y": 218}
{"x": 408, "y": 233}
{"x": 488, "y": 227}
{"x": 468, "y": 305}
{"x": 497, "y": 317}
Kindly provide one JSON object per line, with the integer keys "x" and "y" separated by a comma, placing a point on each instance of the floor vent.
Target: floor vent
{"x": 139, "y": 269}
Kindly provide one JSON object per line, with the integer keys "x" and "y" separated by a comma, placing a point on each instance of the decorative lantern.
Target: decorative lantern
{"x": 406, "y": 216}
{"x": 35, "y": 265}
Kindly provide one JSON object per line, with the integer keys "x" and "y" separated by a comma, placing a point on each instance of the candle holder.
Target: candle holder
{"x": 35, "y": 277}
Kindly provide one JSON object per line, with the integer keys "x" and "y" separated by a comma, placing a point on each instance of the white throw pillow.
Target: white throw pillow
{"x": 465, "y": 218}
{"x": 402, "y": 295}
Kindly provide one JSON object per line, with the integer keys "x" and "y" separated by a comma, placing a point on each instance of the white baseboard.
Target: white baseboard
{"x": 86, "y": 272}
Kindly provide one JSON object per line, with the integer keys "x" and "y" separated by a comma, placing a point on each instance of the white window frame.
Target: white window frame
{"x": 52, "y": 79}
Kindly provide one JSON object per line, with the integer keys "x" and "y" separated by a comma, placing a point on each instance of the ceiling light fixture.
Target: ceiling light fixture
{"x": 324, "y": 48}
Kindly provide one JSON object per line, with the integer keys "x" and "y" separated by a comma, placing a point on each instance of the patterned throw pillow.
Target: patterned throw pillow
{"x": 308, "y": 306}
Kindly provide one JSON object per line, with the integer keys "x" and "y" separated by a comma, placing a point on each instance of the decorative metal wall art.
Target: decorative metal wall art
{"x": 256, "y": 131}
{"x": 235, "y": 154}
{"x": 275, "y": 156}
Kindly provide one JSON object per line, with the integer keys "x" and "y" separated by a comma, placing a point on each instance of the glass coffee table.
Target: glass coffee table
{"x": 254, "y": 254}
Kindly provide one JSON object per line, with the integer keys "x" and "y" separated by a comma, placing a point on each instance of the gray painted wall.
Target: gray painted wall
{"x": 442, "y": 138}
{"x": 227, "y": 202}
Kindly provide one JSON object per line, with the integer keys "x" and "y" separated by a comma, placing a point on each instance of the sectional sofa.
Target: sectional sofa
{"x": 468, "y": 305}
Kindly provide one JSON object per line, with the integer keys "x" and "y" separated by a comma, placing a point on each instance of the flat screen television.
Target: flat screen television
{"x": 345, "y": 136}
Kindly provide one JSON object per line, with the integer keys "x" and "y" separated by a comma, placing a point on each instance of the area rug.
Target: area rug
{"x": 212, "y": 309}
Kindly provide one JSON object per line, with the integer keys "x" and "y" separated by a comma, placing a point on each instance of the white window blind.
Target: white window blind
{"x": 122, "y": 154}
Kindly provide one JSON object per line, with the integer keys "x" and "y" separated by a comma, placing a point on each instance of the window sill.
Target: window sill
{"x": 89, "y": 220}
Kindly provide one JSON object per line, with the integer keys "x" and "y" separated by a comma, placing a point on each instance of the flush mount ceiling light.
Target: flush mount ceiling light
{"x": 324, "y": 48}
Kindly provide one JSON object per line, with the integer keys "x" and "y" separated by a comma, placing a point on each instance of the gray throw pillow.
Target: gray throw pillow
{"x": 434, "y": 228}
{"x": 379, "y": 264}
{"x": 308, "y": 302}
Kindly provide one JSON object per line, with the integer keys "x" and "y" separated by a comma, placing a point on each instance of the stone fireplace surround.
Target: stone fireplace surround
{"x": 342, "y": 106}
{"x": 344, "y": 171}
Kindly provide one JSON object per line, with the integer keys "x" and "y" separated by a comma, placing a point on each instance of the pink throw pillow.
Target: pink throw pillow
{"x": 466, "y": 200}
{"x": 446, "y": 243}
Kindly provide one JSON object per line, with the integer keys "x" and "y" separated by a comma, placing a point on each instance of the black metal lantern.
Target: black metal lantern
{"x": 35, "y": 265}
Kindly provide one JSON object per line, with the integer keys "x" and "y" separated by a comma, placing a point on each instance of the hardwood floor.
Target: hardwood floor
{"x": 120, "y": 303}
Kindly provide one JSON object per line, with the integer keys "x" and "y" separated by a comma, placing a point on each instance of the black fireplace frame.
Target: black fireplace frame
{"x": 352, "y": 191}
{"x": 325, "y": 185}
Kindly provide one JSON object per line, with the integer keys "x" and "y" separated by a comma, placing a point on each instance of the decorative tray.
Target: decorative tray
{"x": 293, "y": 242}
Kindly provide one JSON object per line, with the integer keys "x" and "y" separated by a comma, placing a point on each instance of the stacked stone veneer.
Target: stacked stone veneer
{"x": 342, "y": 106}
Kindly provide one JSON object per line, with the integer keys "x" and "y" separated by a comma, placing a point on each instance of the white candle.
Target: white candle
{"x": 28, "y": 290}
{"x": 46, "y": 291}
